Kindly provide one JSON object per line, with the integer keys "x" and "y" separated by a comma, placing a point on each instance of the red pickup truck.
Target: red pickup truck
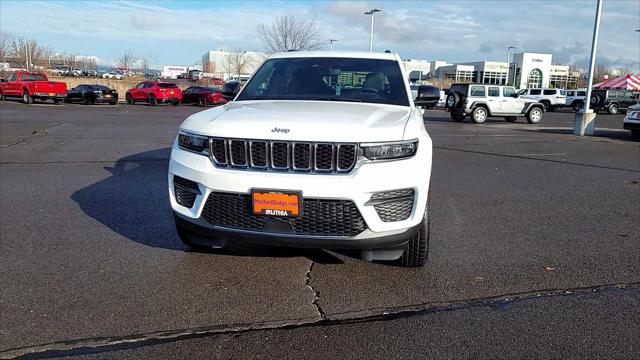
{"x": 32, "y": 85}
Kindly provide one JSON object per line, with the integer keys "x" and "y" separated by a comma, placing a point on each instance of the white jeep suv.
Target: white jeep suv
{"x": 482, "y": 101}
{"x": 550, "y": 98}
{"x": 319, "y": 149}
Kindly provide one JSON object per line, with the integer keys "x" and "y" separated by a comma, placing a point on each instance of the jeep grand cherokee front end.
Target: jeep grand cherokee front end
{"x": 320, "y": 150}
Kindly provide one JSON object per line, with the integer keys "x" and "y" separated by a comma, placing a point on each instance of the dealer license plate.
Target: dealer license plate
{"x": 276, "y": 203}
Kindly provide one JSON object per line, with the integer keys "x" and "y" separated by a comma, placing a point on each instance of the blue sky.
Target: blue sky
{"x": 179, "y": 32}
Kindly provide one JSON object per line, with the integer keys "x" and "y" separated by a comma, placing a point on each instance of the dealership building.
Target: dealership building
{"x": 526, "y": 70}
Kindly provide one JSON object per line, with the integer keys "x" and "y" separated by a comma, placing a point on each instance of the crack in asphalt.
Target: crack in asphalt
{"x": 33, "y": 133}
{"x": 75, "y": 347}
{"x": 316, "y": 293}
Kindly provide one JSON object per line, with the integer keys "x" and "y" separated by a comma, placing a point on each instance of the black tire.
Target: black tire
{"x": 202, "y": 102}
{"x": 112, "y": 102}
{"x": 92, "y": 100}
{"x": 26, "y": 98}
{"x": 85, "y": 99}
{"x": 457, "y": 117}
{"x": 2, "y": 98}
{"x": 129, "y": 99}
{"x": 511, "y": 118}
{"x": 534, "y": 115}
{"x": 636, "y": 133}
{"x": 546, "y": 105}
{"x": 417, "y": 251}
{"x": 57, "y": 101}
{"x": 577, "y": 106}
{"x": 595, "y": 99}
{"x": 612, "y": 109}
{"x": 152, "y": 100}
{"x": 176, "y": 103}
{"x": 479, "y": 115}
{"x": 452, "y": 101}
{"x": 551, "y": 108}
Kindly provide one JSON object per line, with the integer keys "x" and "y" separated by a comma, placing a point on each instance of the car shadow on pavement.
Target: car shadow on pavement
{"x": 133, "y": 201}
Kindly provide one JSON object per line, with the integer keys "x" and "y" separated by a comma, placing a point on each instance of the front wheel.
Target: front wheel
{"x": 612, "y": 109}
{"x": 175, "y": 103}
{"x": 152, "y": 100}
{"x": 202, "y": 102}
{"x": 534, "y": 116}
{"x": 577, "y": 106}
{"x": 479, "y": 115}
{"x": 129, "y": 99}
{"x": 112, "y": 102}
{"x": 417, "y": 251}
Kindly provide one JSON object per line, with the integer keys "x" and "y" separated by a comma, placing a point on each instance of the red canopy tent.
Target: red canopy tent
{"x": 626, "y": 82}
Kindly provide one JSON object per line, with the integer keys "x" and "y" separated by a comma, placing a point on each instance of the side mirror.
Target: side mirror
{"x": 515, "y": 95}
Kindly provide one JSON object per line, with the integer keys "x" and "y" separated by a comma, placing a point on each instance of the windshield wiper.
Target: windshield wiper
{"x": 331, "y": 98}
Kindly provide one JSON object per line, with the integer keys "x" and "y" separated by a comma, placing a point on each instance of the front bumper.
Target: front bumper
{"x": 628, "y": 125}
{"x": 358, "y": 186}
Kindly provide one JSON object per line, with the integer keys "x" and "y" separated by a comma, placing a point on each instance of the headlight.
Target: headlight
{"x": 390, "y": 150}
{"x": 193, "y": 142}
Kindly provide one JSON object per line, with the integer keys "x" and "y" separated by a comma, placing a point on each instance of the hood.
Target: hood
{"x": 302, "y": 120}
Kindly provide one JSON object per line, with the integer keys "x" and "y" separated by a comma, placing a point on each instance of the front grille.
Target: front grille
{"x": 185, "y": 191}
{"x": 283, "y": 155}
{"x": 395, "y": 205}
{"x": 319, "y": 217}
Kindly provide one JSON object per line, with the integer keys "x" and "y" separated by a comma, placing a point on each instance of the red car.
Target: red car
{"x": 203, "y": 96}
{"x": 32, "y": 85}
{"x": 155, "y": 92}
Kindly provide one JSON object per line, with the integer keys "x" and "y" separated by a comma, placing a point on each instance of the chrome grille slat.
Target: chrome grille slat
{"x": 238, "y": 153}
{"x": 281, "y": 155}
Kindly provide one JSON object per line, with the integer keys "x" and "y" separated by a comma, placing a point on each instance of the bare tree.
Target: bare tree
{"x": 127, "y": 59}
{"x": 599, "y": 72}
{"x": 26, "y": 51}
{"x": 143, "y": 62}
{"x": 228, "y": 65}
{"x": 47, "y": 55}
{"x": 5, "y": 46}
{"x": 288, "y": 33}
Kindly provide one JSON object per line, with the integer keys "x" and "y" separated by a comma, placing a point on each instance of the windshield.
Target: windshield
{"x": 167, "y": 85}
{"x": 330, "y": 79}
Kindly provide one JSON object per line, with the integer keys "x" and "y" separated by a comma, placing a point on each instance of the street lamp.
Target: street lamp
{"x": 509, "y": 66}
{"x": 584, "y": 123}
{"x": 371, "y": 12}
{"x": 331, "y": 41}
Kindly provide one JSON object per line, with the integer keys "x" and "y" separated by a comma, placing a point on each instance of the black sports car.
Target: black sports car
{"x": 92, "y": 94}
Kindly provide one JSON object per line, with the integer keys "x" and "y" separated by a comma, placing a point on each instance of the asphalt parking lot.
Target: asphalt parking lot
{"x": 535, "y": 251}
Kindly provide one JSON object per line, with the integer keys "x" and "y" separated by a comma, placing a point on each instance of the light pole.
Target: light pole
{"x": 331, "y": 41}
{"x": 509, "y": 66}
{"x": 371, "y": 12}
{"x": 584, "y": 123}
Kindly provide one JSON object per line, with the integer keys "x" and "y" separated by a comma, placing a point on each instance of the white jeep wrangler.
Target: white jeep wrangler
{"x": 319, "y": 149}
{"x": 482, "y": 101}
{"x": 550, "y": 98}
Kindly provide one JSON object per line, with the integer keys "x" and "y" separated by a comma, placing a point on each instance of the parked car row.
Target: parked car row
{"x": 67, "y": 70}
{"x": 30, "y": 86}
